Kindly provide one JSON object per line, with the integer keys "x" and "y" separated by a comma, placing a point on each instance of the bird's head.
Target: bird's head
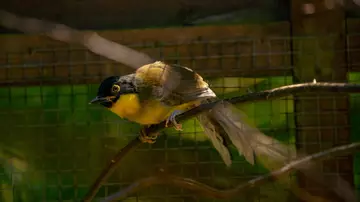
{"x": 111, "y": 89}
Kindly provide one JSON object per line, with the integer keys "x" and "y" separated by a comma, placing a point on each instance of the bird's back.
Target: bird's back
{"x": 174, "y": 84}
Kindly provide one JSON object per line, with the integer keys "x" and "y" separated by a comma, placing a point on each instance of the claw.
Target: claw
{"x": 171, "y": 119}
{"x": 147, "y": 138}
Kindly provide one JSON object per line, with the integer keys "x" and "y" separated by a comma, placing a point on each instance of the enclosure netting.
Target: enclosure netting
{"x": 53, "y": 144}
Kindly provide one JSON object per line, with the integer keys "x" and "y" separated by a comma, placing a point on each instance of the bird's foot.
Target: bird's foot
{"x": 147, "y": 138}
{"x": 172, "y": 119}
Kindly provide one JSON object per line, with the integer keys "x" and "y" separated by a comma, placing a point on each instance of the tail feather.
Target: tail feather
{"x": 249, "y": 141}
{"x": 214, "y": 136}
{"x": 272, "y": 154}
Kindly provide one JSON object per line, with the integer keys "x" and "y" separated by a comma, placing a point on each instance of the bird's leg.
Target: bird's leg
{"x": 147, "y": 138}
{"x": 171, "y": 119}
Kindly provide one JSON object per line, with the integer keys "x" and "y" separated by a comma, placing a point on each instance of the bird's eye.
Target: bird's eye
{"x": 115, "y": 89}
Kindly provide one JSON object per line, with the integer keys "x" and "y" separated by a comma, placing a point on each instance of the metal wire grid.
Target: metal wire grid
{"x": 60, "y": 64}
{"x": 68, "y": 142}
{"x": 323, "y": 120}
{"x": 63, "y": 156}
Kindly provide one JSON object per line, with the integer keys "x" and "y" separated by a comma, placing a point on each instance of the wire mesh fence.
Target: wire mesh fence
{"x": 54, "y": 144}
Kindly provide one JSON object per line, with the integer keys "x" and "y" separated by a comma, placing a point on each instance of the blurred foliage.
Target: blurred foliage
{"x": 355, "y": 128}
{"x": 53, "y": 145}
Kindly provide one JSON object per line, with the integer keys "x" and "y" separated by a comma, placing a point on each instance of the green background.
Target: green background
{"x": 54, "y": 144}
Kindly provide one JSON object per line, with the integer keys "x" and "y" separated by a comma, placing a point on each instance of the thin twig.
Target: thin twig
{"x": 255, "y": 96}
{"x": 208, "y": 191}
{"x": 110, "y": 168}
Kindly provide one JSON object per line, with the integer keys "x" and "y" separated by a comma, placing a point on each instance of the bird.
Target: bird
{"x": 158, "y": 92}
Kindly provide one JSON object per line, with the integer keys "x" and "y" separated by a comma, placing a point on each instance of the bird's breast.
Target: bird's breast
{"x": 152, "y": 112}
{"x": 145, "y": 112}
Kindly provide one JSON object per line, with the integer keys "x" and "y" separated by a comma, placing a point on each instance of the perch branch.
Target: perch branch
{"x": 255, "y": 96}
{"x": 208, "y": 191}
{"x": 91, "y": 40}
{"x": 266, "y": 95}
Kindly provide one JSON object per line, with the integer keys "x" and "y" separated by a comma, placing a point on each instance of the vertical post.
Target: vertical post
{"x": 319, "y": 40}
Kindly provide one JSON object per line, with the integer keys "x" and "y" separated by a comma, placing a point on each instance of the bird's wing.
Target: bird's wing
{"x": 174, "y": 84}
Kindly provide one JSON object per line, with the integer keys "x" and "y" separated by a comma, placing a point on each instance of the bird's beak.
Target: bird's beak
{"x": 98, "y": 100}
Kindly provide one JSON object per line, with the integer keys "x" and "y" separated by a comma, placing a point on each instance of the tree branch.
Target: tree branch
{"x": 211, "y": 192}
{"x": 266, "y": 95}
{"x": 91, "y": 40}
{"x": 256, "y": 96}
